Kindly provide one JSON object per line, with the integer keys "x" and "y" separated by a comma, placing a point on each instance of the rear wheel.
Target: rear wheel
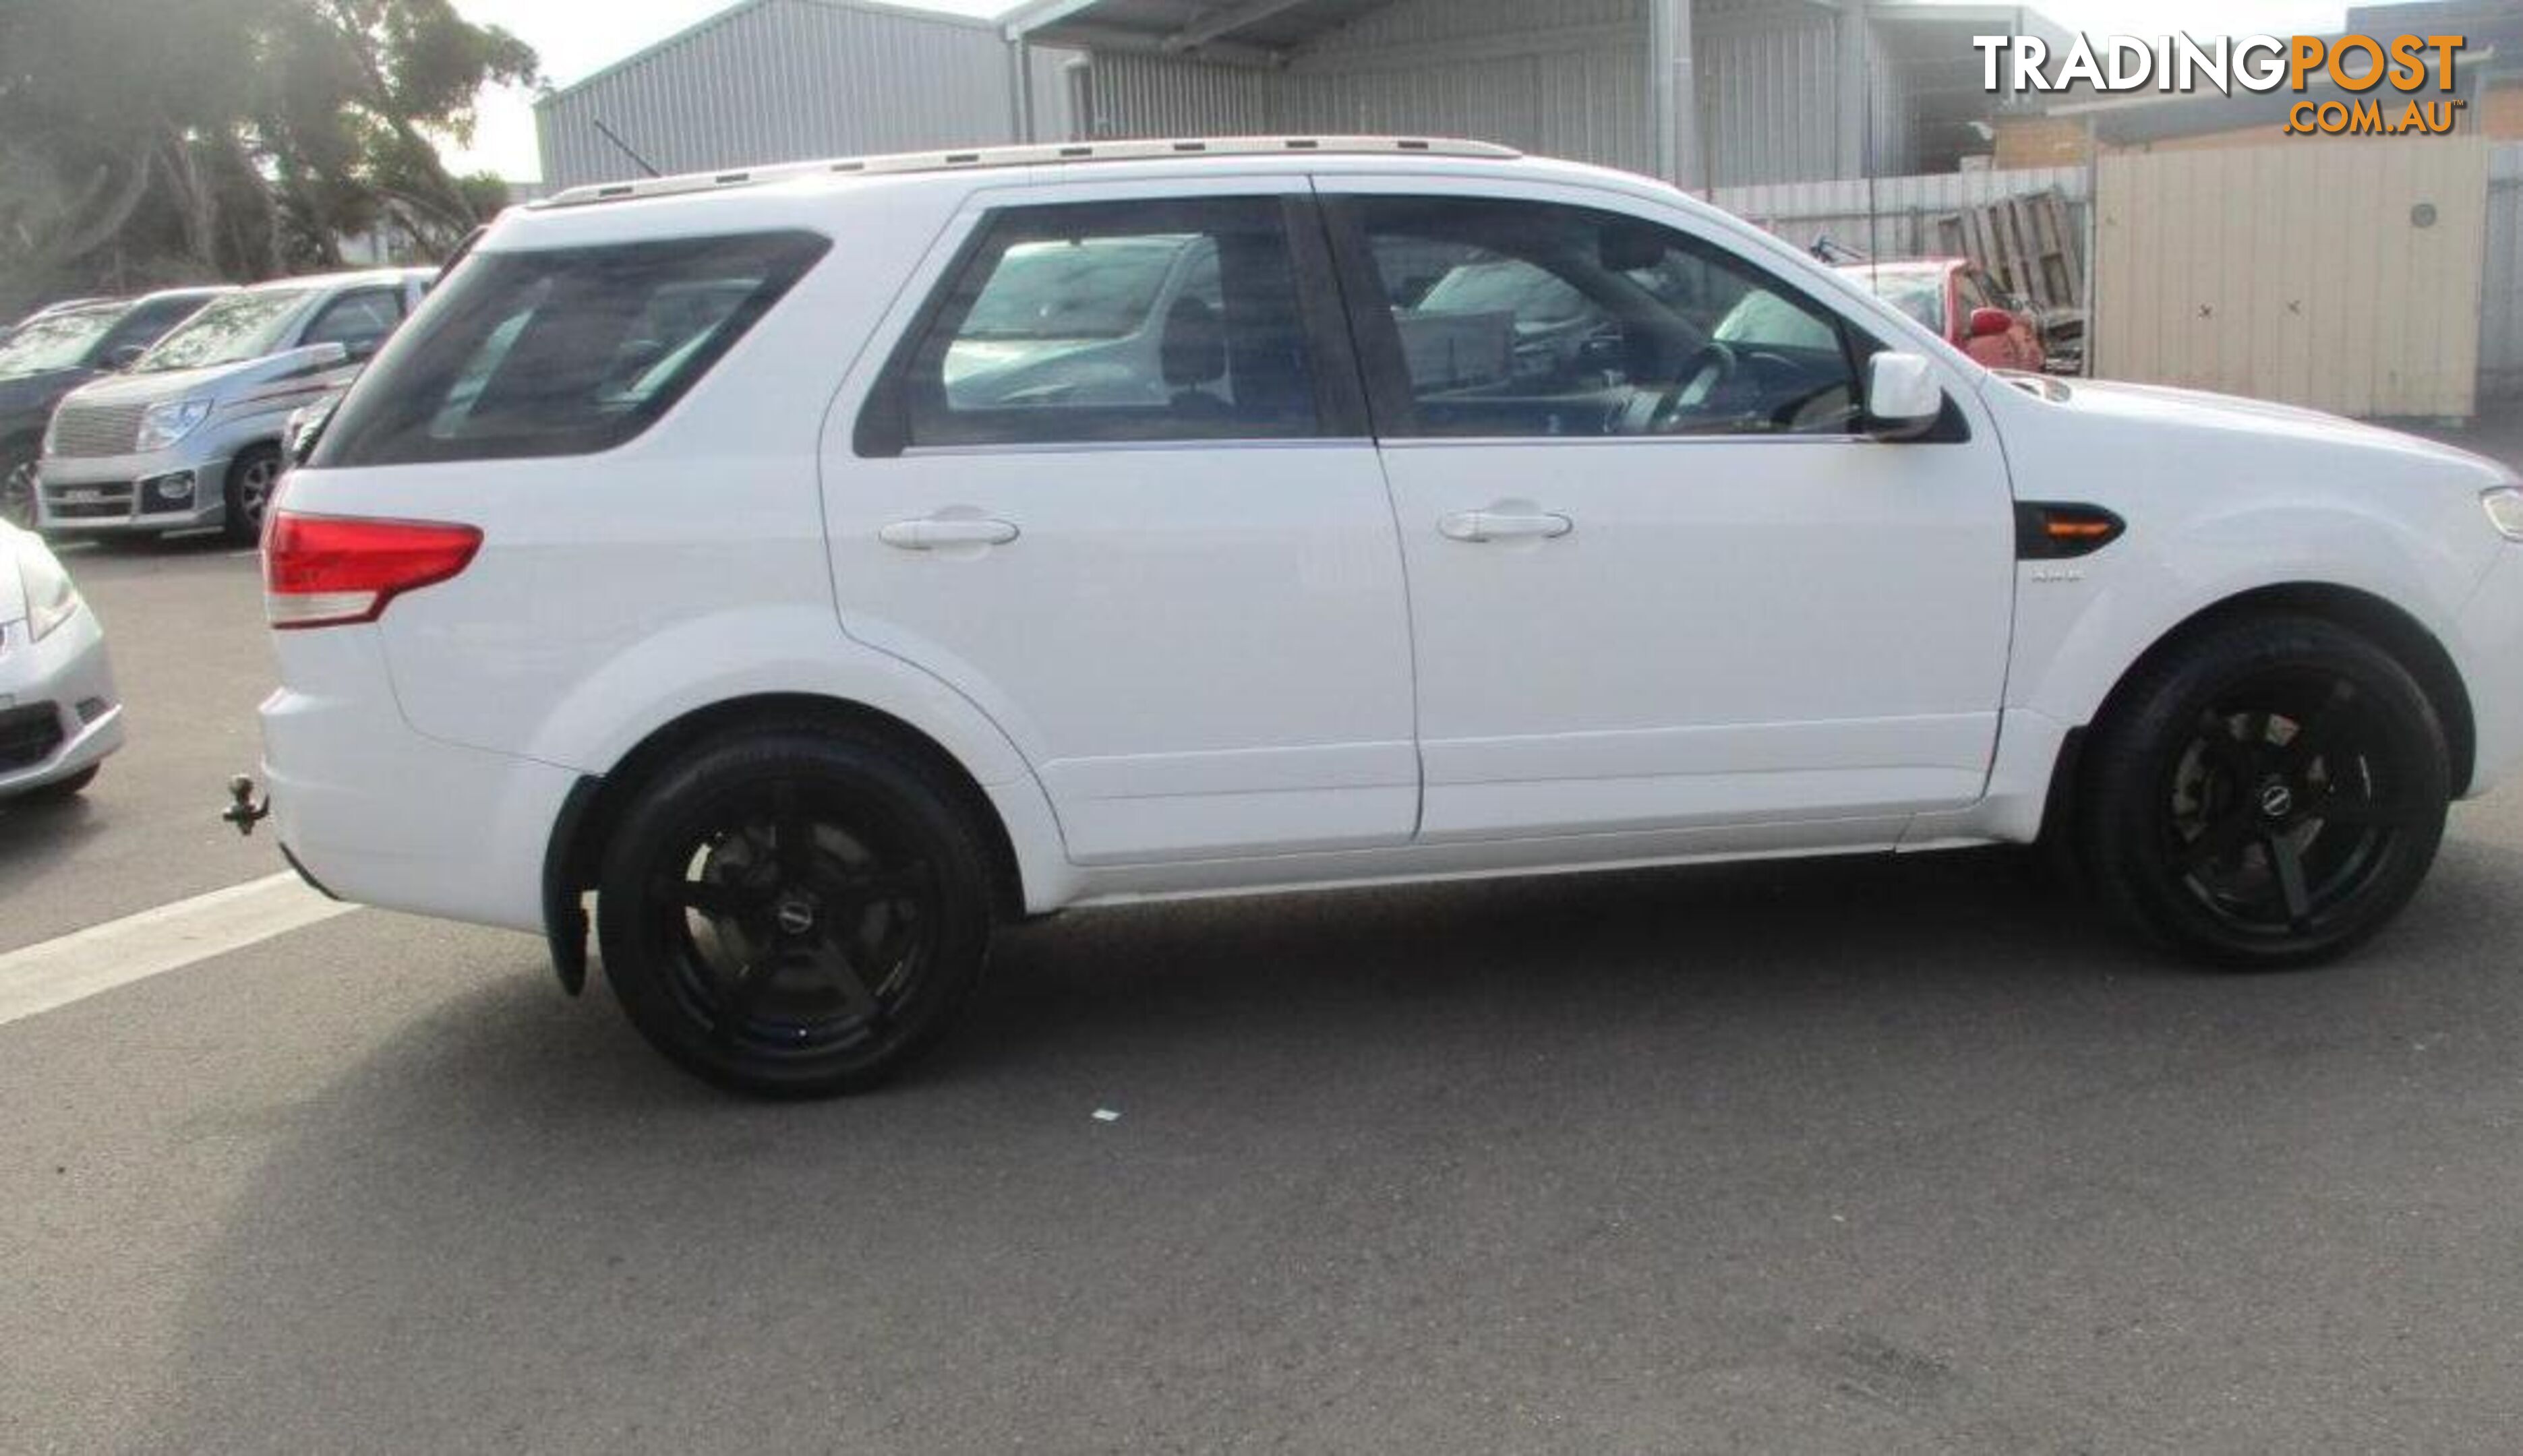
{"x": 251, "y": 479}
{"x": 2269, "y": 797}
{"x": 793, "y": 913}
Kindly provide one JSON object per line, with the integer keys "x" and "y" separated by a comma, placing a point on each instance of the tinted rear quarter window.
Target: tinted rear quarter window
{"x": 561, "y": 351}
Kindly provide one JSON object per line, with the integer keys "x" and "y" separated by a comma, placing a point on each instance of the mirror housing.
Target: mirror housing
{"x": 304, "y": 360}
{"x": 125, "y": 355}
{"x": 1989, "y": 324}
{"x": 1903, "y": 399}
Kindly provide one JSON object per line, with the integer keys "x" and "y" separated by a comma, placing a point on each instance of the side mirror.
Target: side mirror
{"x": 123, "y": 355}
{"x": 1989, "y": 324}
{"x": 1902, "y": 397}
{"x": 315, "y": 359}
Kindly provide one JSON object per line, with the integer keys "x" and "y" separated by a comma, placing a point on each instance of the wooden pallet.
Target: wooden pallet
{"x": 2024, "y": 242}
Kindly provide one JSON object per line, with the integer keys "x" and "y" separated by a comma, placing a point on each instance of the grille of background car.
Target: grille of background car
{"x": 96, "y": 429}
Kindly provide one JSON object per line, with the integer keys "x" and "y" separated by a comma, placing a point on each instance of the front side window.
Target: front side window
{"x": 358, "y": 321}
{"x": 562, "y": 351}
{"x": 231, "y": 330}
{"x": 1518, "y": 318}
{"x": 1173, "y": 319}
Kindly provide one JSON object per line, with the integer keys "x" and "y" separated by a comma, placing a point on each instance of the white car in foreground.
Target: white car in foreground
{"x": 684, "y": 549}
{"x": 59, "y": 715}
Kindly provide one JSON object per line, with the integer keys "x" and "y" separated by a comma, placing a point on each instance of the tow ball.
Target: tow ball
{"x": 243, "y": 810}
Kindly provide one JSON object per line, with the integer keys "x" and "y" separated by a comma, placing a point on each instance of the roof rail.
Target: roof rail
{"x": 1043, "y": 154}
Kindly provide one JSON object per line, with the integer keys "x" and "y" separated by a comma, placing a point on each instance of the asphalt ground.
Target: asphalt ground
{"x": 1866, "y": 1154}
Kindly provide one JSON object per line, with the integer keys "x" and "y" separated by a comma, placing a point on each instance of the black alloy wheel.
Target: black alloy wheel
{"x": 2268, "y": 798}
{"x": 793, "y": 914}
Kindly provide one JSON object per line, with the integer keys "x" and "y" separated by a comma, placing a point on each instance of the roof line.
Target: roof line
{"x": 1043, "y": 154}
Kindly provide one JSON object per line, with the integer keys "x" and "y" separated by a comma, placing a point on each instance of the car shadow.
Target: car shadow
{"x": 32, "y": 830}
{"x": 513, "y": 1224}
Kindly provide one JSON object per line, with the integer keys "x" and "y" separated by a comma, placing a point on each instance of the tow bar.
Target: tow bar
{"x": 244, "y": 810}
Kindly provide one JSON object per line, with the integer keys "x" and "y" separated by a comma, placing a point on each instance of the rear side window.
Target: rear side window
{"x": 561, "y": 351}
{"x": 1169, "y": 319}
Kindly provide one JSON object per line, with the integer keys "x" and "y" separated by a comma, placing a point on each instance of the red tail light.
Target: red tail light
{"x": 326, "y": 571}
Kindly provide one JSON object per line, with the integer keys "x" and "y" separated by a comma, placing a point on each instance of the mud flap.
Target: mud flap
{"x": 564, "y": 917}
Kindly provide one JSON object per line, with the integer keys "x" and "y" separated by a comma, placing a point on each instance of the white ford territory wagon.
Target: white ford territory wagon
{"x": 821, "y": 564}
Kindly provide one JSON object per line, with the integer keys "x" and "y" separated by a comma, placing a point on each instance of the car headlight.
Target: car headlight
{"x": 51, "y": 599}
{"x": 2506, "y": 510}
{"x": 162, "y": 425}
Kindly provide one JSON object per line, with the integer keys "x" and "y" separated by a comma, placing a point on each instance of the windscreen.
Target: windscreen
{"x": 560, "y": 352}
{"x": 241, "y": 326}
{"x": 60, "y": 341}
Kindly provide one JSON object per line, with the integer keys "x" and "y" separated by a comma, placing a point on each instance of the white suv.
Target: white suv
{"x": 684, "y": 549}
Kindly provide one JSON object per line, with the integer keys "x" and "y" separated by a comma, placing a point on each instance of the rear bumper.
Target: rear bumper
{"x": 381, "y": 815}
{"x": 59, "y": 713}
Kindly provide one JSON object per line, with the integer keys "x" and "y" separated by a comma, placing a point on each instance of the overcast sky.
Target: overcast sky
{"x": 576, "y": 37}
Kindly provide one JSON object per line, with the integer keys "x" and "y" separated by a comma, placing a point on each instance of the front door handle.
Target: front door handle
{"x": 1502, "y": 525}
{"x": 930, "y": 532}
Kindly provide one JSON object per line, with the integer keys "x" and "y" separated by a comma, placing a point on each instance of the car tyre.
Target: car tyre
{"x": 794, "y": 912}
{"x": 252, "y": 478}
{"x": 2265, "y": 796}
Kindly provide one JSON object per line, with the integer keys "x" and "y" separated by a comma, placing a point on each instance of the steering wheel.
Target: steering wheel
{"x": 1702, "y": 375}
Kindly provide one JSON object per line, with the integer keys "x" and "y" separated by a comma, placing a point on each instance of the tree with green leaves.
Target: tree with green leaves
{"x": 147, "y": 141}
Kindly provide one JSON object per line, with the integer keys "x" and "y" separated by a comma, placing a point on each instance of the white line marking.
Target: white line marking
{"x": 171, "y": 937}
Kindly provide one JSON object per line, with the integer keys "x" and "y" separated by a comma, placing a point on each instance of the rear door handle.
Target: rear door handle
{"x": 930, "y": 532}
{"x": 1493, "y": 525}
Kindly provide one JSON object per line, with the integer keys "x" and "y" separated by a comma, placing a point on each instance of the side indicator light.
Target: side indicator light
{"x": 2047, "y": 531}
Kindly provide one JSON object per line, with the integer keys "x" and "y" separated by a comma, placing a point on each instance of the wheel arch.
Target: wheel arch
{"x": 582, "y": 830}
{"x": 2388, "y": 626}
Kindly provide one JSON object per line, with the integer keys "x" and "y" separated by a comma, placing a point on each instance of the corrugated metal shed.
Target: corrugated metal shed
{"x": 1788, "y": 90}
{"x": 1569, "y": 82}
{"x": 1769, "y": 100}
{"x": 785, "y": 80}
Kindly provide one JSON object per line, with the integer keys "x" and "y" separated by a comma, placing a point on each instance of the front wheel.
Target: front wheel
{"x": 2269, "y": 795}
{"x": 793, "y": 912}
{"x": 251, "y": 480}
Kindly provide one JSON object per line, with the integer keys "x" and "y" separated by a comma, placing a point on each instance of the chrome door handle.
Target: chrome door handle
{"x": 1491, "y": 525}
{"x": 933, "y": 532}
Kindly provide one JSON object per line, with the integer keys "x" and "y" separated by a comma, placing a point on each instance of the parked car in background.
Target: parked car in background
{"x": 190, "y": 435}
{"x": 1297, "y": 604}
{"x": 1957, "y": 299}
{"x": 55, "y": 353}
{"x": 59, "y": 715}
{"x": 58, "y": 306}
